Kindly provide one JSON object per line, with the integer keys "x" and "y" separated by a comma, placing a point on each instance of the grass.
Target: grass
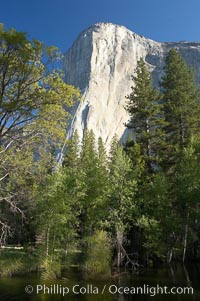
{"x": 14, "y": 261}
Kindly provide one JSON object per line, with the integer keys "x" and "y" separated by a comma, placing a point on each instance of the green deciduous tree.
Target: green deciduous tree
{"x": 98, "y": 258}
{"x": 56, "y": 220}
{"x": 186, "y": 192}
{"x": 30, "y": 89}
{"x": 33, "y": 118}
{"x": 121, "y": 201}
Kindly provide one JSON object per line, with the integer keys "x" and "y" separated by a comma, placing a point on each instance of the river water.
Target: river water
{"x": 150, "y": 285}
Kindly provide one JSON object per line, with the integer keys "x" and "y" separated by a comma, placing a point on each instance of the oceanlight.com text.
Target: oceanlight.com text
{"x": 90, "y": 289}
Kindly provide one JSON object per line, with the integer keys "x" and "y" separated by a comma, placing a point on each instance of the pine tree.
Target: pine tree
{"x": 181, "y": 105}
{"x": 146, "y": 116}
{"x": 102, "y": 174}
{"x": 95, "y": 178}
{"x": 72, "y": 156}
{"x": 74, "y": 175}
{"x": 74, "y": 181}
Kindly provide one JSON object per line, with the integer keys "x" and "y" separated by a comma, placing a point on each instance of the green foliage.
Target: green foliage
{"x": 146, "y": 115}
{"x": 33, "y": 119}
{"x": 187, "y": 177}
{"x": 95, "y": 179}
{"x": 132, "y": 149}
{"x": 138, "y": 199}
{"x": 30, "y": 88}
{"x": 181, "y": 106}
{"x": 186, "y": 191}
{"x": 98, "y": 259}
{"x": 155, "y": 221}
{"x": 72, "y": 156}
{"x": 152, "y": 235}
{"x": 51, "y": 269}
{"x": 10, "y": 267}
{"x": 14, "y": 262}
{"x": 123, "y": 185}
{"x": 56, "y": 217}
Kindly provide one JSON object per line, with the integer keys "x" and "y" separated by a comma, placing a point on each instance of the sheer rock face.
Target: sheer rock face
{"x": 101, "y": 62}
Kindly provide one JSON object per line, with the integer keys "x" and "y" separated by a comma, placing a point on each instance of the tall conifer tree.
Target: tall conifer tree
{"x": 146, "y": 118}
{"x": 181, "y": 105}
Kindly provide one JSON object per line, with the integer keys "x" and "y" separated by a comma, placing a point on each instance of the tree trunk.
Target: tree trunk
{"x": 185, "y": 238}
{"x": 119, "y": 244}
{"x": 47, "y": 242}
{"x": 187, "y": 275}
{"x": 169, "y": 255}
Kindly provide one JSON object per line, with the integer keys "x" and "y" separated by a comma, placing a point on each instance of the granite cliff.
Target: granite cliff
{"x": 101, "y": 62}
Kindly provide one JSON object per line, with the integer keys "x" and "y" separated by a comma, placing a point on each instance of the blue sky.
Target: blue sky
{"x": 58, "y": 22}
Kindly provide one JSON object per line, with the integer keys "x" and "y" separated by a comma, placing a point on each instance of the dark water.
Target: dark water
{"x": 176, "y": 276}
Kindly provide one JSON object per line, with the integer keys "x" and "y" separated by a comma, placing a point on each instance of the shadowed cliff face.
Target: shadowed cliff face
{"x": 101, "y": 62}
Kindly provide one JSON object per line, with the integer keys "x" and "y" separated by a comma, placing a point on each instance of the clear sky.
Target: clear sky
{"x": 58, "y": 22}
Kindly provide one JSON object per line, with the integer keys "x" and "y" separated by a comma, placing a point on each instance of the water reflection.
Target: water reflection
{"x": 12, "y": 289}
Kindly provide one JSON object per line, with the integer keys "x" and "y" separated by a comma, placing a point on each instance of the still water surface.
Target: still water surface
{"x": 13, "y": 289}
